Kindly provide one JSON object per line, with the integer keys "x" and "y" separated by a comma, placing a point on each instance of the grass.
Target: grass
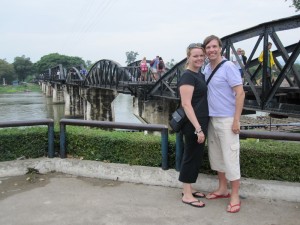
{"x": 20, "y": 88}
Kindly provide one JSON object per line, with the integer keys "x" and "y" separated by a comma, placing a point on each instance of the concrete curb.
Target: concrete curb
{"x": 275, "y": 190}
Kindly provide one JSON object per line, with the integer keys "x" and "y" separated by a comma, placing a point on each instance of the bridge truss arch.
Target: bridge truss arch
{"x": 74, "y": 77}
{"x": 277, "y": 99}
{"x": 107, "y": 74}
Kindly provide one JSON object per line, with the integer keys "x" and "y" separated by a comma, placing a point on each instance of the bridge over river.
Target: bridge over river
{"x": 91, "y": 95}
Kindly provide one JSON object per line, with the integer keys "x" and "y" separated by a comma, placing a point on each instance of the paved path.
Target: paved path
{"x": 58, "y": 198}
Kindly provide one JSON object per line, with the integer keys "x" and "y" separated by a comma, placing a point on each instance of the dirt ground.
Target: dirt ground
{"x": 16, "y": 184}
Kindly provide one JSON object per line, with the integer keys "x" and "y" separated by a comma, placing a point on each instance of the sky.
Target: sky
{"x": 107, "y": 29}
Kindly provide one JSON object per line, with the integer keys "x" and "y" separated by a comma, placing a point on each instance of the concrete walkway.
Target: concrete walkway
{"x": 89, "y": 192}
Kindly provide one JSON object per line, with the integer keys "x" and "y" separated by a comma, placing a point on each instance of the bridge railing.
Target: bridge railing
{"x": 48, "y": 122}
{"x": 163, "y": 129}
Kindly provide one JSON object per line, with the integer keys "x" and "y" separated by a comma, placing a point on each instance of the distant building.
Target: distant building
{"x": 15, "y": 83}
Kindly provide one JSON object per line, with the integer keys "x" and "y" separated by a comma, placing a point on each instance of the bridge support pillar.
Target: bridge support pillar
{"x": 73, "y": 101}
{"x": 58, "y": 94}
{"x": 49, "y": 91}
{"x": 157, "y": 110}
{"x": 44, "y": 85}
{"x": 98, "y": 104}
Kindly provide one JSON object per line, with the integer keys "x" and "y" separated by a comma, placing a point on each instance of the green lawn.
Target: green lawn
{"x": 20, "y": 88}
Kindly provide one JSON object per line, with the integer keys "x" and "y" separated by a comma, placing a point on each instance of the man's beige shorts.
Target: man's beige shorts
{"x": 224, "y": 147}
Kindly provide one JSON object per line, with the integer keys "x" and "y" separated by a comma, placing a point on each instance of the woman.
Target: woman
{"x": 192, "y": 88}
{"x": 144, "y": 69}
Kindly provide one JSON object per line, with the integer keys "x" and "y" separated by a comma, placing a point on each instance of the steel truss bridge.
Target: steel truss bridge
{"x": 282, "y": 100}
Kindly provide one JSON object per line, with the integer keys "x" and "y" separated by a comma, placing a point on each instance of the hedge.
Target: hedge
{"x": 264, "y": 159}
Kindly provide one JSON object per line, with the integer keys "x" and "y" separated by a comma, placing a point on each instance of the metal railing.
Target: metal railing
{"x": 48, "y": 122}
{"x": 270, "y": 135}
{"x": 163, "y": 129}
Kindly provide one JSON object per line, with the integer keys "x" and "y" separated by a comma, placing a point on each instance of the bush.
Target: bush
{"x": 21, "y": 142}
{"x": 270, "y": 160}
{"x": 266, "y": 159}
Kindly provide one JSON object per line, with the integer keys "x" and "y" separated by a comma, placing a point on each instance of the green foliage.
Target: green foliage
{"x": 170, "y": 64}
{"x": 22, "y": 142}
{"x": 23, "y": 67}
{"x": 266, "y": 159}
{"x": 116, "y": 147}
{"x": 7, "y": 72}
{"x": 54, "y": 59}
{"x": 271, "y": 160}
{"x": 296, "y": 4}
{"x": 89, "y": 64}
{"x": 131, "y": 56}
{"x": 20, "y": 88}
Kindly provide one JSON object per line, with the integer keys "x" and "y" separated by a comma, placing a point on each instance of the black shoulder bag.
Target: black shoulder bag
{"x": 179, "y": 117}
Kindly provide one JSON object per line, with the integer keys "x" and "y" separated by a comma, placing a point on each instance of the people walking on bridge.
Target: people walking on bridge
{"x": 144, "y": 69}
{"x": 160, "y": 67}
{"x": 58, "y": 74}
{"x": 83, "y": 72}
{"x": 153, "y": 65}
{"x": 225, "y": 101}
{"x": 234, "y": 59}
{"x": 270, "y": 65}
{"x": 193, "y": 95}
{"x": 244, "y": 57}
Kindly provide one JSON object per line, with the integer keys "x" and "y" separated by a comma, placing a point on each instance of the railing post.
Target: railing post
{"x": 62, "y": 140}
{"x": 164, "y": 148}
{"x": 179, "y": 150}
{"x": 51, "y": 140}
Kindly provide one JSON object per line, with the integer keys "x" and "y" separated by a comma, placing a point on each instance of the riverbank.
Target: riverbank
{"x": 27, "y": 87}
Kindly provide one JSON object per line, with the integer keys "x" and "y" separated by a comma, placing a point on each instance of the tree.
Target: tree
{"x": 89, "y": 64}
{"x": 170, "y": 64}
{"x": 54, "y": 59}
{"x": 296, "y": 4}
{"x": 7, "y": 72}
{"x": 23, "y": 67}
{"x": 131, "y": 57}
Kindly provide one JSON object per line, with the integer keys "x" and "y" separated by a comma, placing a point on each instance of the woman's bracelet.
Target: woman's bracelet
{"x": 198, "y": 131}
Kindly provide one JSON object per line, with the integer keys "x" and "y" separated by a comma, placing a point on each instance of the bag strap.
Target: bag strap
{"x": 214, "y": 71}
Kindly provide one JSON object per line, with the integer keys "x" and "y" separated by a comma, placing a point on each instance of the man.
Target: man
{"x": 225, "y": 101}
{"x": 271, "y": 64}
{"x": 235, "y": 61}
{"x": 244, "y": 57}
{"x": 153, "y": 67}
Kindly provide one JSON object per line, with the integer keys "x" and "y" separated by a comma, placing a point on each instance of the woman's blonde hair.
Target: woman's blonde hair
{"x": 188, "y": 51}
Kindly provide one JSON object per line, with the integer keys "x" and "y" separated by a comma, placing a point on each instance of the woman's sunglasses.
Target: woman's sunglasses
{"x": 195, "y": 45}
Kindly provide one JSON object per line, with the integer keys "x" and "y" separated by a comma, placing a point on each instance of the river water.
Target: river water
{"x": 33, "y": 105}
